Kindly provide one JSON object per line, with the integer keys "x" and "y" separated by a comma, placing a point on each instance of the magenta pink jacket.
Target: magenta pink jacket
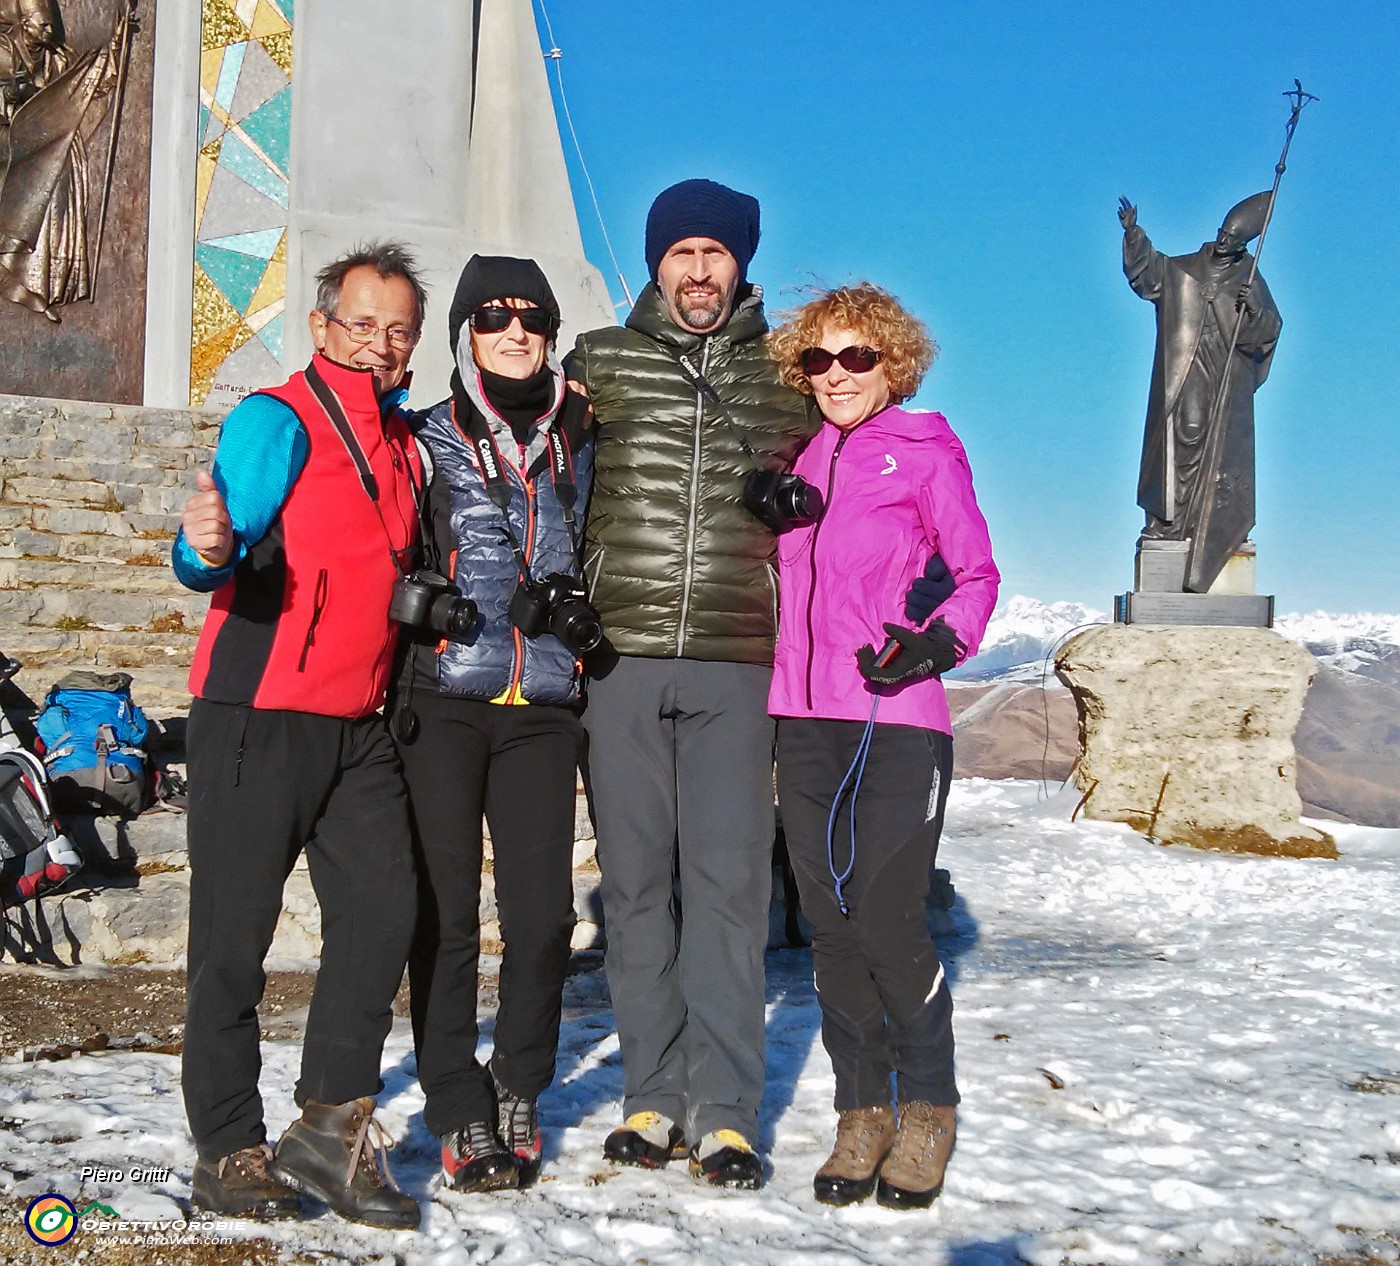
{"x": 898, "y": 489}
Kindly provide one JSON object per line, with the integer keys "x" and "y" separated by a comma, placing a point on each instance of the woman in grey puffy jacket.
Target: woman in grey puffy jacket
{"x": 485, "y": 716}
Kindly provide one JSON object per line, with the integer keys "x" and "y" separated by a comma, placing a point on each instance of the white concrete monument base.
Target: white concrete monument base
{"x": 1187, "y": 735}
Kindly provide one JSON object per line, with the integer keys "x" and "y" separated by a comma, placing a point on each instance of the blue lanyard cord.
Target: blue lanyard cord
{"x": 856, "y": 770}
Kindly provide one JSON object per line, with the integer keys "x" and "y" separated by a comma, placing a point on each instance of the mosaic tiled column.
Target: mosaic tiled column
{"x": 245, "y": 128}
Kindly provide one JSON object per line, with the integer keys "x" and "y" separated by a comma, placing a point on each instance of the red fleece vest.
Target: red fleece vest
{"x": 304, "y": 624}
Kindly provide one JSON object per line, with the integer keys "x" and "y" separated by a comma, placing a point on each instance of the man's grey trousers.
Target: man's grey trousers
{"x": 681, "y": 760}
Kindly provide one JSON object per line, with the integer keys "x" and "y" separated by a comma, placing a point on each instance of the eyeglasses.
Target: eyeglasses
{"x": 494, "y": 318}
{"x": 400, "y": 337}
{"x": 816, "y": 361}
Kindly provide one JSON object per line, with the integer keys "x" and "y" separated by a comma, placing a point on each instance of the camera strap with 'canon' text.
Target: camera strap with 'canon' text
{"x": 493, "y": 471}
{"x": 706, "y": 388}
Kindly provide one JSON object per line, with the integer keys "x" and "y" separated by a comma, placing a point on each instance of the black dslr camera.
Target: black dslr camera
{"x": 427, "y": 600}
{"x": 781, "y": 500}
{"x": 557, "y": 604}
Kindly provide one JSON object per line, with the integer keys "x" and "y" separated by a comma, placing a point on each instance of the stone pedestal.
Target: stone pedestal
{"x": 1159, "y": 597}
{"x": 1187, "y": 735}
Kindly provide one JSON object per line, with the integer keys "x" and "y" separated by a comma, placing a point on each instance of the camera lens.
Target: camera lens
{"x": 802, "y": 503}
{"x": 454, "y": 617}
{"x": 577, "y": 626}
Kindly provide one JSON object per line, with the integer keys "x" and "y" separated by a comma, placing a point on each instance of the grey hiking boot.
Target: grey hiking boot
{"x": 337, "y": 1152}
{"x": 863, "y": 1138}
{"x": 519, "y": 1125}
{"x": 241, "y": 1185}
{"x": 912, "y": 1174}
{"x": 475, "y": 1159}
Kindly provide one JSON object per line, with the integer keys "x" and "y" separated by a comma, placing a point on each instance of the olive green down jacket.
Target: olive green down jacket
{"x": 677, "y": 568}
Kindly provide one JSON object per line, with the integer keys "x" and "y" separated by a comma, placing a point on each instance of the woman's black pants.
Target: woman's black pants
{"x": 517, "y": 765}
{"x": 884, "y": 997}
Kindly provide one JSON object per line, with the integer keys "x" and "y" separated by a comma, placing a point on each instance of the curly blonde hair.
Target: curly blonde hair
{"x": 874, "y": 315}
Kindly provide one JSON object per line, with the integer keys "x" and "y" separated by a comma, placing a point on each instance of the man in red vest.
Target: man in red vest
{"x": 300, "y": 533}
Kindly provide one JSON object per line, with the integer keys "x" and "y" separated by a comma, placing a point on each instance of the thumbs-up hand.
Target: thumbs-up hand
{"x": 205, "y": 522}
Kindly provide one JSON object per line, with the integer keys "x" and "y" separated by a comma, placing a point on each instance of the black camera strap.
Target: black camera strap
{"x": 493, "y": 472}
{"x": 706, "y": 388}
{"x": 340, "y": 423}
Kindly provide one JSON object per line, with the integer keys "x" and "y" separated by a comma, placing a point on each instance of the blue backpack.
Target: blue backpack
{"x": 93, "y": 737}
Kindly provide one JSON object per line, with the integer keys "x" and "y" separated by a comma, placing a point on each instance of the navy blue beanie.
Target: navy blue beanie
{"x": 702, "y": 208}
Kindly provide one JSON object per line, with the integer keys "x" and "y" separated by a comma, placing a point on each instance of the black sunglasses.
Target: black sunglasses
{"x": 854, "y": 360}
{"x": 494, "y": 318}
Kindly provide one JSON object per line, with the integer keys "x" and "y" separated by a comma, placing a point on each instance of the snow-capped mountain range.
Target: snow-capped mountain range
{"x": 1024, "y": 633}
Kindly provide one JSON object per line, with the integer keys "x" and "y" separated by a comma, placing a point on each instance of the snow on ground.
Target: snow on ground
{"x": 1166, "y": 1056}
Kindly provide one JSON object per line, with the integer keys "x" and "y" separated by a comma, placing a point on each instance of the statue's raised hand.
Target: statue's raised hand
{"x": 1242, "y": 303}
{"x": 1127, "y": 214}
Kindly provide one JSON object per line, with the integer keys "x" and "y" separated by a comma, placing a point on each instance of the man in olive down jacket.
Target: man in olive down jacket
{"x": 680, "y": 739}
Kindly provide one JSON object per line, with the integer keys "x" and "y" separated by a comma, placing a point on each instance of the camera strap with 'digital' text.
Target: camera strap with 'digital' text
{"x": 493, "y": 474}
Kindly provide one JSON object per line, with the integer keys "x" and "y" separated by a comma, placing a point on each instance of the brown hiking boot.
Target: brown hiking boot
{"x": 912, "y": 1174}
{"x": 240, "y": 1185}
{"x": 337, "y": 1152}
{"x": 863, "y": 1137}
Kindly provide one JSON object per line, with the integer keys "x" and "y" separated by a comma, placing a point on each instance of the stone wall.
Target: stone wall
{"x": 89, "y": 502}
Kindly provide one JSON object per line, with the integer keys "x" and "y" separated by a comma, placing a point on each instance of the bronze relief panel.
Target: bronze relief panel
{"x": 75, "y": 122}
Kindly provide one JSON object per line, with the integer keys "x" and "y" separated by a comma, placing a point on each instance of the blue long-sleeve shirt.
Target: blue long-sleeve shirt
{"x": 262, "y": 449}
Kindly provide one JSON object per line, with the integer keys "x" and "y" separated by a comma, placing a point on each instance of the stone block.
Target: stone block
{"x": 109, "y": 842}
{"x": 126, "y": 475}
{"x": 95, "y": 446}
{"x": 15, "y": 448}
{"x": 1187, "y": 735}
{"x": 19, "y": 606}
{"x": 163, "y": 501}
{"x": 88, "y": 609}
{"x": 1195, "y": 609}
{"x": 74, "y": 468}
{"x": 32, "y": 423}
{"x": 1161, "y": 566}
{"x": 1239, "y": 575}
{"x": 159, "y": 430}
{"x": 42, "y": 491}
{"x": 156, "y": 527}
{"x": 83, "y": 413}
{"x": 60, "y": 448}
{"x": 136, "y": 920}
{"x": 77, "y": 520}
{"x": 29, "y": 544}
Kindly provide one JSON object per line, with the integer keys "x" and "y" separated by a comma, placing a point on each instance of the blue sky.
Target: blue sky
{"x": 969, "y": 157}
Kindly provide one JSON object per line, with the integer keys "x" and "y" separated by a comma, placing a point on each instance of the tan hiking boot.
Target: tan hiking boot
{"x": 912, "y": 1174}
{"x": 863, "y": 1137}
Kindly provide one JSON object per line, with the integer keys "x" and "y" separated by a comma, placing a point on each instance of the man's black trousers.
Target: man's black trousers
{"x": 885, "y": 1002}
{"x": 264, "y": 785}
{"x": 518, "y": 765}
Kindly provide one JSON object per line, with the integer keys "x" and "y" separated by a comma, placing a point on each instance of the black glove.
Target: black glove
{"x": 927, "y": 654}
{"x": 929, "y": 591}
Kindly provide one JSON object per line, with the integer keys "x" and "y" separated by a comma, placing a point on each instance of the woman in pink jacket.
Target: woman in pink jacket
{"x": 865, "y": 748}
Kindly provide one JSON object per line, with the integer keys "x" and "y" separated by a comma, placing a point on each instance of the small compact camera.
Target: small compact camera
{"x": 557, "y": 604}
{"x": 427, "y": 600}
{"x": 781, "y": 500}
